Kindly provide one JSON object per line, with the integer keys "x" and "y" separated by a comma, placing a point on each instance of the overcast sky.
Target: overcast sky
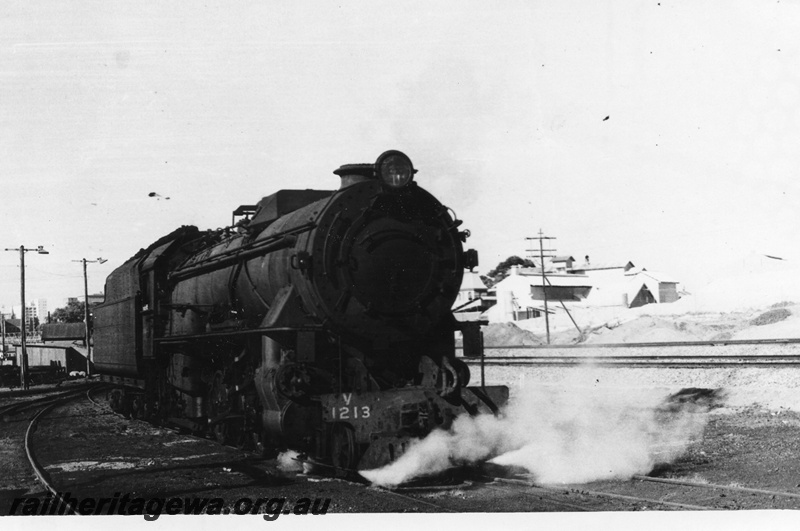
{"x": 500, "y": 105}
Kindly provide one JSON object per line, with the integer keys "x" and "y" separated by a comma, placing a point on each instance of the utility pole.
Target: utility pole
{"x": 3, "y": 330}
{"x": 542, "y": 256}
{"x": 23, "y": 365}
{"x": 86, "y": 310}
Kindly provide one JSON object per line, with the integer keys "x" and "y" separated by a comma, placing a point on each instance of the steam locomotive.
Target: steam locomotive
{"x": 319, "y": 321}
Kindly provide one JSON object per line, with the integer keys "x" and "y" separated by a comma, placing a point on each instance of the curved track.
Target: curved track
{"x": 43, "y": 405}
{"x": 9, "y": 410}
{"x": 38, "y": 469}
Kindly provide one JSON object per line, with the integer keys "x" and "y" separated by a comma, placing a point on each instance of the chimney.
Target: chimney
{"x": 355, "y": 173}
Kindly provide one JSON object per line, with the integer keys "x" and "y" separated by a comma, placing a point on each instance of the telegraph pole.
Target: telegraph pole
{"x": 542, "y": 256}
{"x": 86, "y": 310}
{"x": 23, "y": 362}
{"x": 23, "y": 366}
{"x": 3, "y": 330}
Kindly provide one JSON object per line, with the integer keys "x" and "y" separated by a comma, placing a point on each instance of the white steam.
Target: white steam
{"x": 572, "y": 435}
{"x": 288, "y": 463}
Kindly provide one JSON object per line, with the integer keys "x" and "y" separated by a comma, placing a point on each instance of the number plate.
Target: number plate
{"x": 350, "y": 412}
{"x": 347, "y": 409}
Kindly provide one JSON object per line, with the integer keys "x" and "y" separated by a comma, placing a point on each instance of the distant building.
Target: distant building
{"x": 472, "y": 287}
{"x": 472, "y": 298}
{"x": 562, "y": 263}
{"x": 521, "y": 295}
{"x": 13, "y": 326}
{"x": 610, "y": 285}
{"x": 31, "y": 317}
{"x": 662, "y": 288}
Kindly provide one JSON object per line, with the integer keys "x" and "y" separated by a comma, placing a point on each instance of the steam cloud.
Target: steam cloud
{"x": 569, "y": 435}
{"x": 287, "y": 462}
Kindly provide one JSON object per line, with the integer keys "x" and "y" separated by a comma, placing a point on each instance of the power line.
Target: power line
{"x": 541, "y": 239}
{"x": 546, "y": 281}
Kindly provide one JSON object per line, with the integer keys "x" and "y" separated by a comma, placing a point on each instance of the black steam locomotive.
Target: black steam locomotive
{"x": 318, "y": 321}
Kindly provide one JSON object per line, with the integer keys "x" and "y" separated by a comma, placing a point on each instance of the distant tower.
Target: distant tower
{"x": 42, "y": 308}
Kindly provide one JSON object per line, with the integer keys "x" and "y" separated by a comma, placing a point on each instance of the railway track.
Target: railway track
{"x": 666, "y": 361}
{"x": 655, "y": 344}
{"x": 8, "y": 411}
{"x": 397, "y": 500}
{"x": 683, "y": 354}
{"x": 662, "y": 494}
{"x": 673, "y": 494}
{"x": 42, "y": 406}
{"x": 38, "y": 469}
{"x": 492, "y": 493}
{"x": 588, "y": 500}
{"x": 728, "y": 488}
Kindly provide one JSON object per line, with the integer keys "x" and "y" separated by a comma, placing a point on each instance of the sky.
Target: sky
{"x": 662, "y": 133}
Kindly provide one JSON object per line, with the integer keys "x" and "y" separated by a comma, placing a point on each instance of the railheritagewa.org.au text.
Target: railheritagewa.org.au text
{"x": 153, "y": 507}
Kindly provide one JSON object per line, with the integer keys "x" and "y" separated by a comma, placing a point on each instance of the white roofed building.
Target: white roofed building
{"x": 662, "y": 287}
{"x": 521, "y": 295}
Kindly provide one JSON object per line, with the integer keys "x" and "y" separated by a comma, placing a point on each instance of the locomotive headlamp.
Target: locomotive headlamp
{"x": 394, "y": 169}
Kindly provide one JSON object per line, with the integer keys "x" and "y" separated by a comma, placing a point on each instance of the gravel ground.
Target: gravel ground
{"x": 752, "y": 438}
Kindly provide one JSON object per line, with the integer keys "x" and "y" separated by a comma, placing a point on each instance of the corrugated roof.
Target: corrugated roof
{"x": 562, "y": 280}
{"x": 526, "y": 271}
{"x": 469, "y": 306}
{"x": 660, "y": 277}
{"x": 595, "y": 266}
{"x": 533, "y": 276}
{"x": 62, "y": 331}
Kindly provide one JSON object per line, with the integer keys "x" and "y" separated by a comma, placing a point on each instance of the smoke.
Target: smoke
{"x": 569, "y": 435}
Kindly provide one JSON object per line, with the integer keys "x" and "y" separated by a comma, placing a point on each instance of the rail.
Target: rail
{"x": 639, "y": 361}
{"x": 714, "y": 343}
{"x": 676, "y": 354}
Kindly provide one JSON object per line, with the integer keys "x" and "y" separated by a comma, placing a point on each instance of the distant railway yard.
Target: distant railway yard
{"x": 743, "y": 458}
